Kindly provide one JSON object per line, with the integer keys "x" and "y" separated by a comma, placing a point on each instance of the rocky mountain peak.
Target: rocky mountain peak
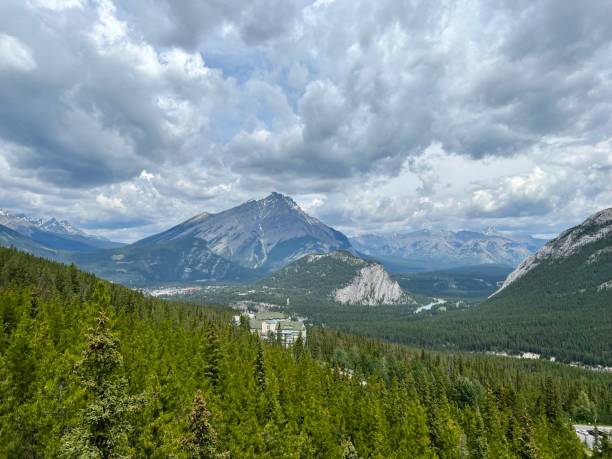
{"x": 593, "y": 229}
{"x": 262, "y": 234}
{"x": 60, "y": 227}
{"x": 278, "y": 199}
{"x": 603, "y": 217}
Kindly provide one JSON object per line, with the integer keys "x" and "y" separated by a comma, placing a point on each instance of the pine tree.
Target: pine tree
{"x": 527, "y": 448}
{"x": 213, "y": 357}
{"x": 552, "y": 404}
{"x": 477, "y": 440}
{"x": 201, "y": 441}
{"x": 105, "y": 422}
{"x": 260, "y": 369}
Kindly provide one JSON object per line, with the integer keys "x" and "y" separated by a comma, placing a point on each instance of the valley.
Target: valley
{"x": 305, "y": 229}
{"x": 164, "y": 360}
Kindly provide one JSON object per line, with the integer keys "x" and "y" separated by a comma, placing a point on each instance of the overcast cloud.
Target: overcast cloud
{"x": 126, "y": 117}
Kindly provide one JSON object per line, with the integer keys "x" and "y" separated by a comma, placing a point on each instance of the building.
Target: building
{"x": 275, "y": 325}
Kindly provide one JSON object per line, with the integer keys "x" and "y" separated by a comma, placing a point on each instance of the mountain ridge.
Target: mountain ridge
{"x": 440, "y": 249}
{"x": 241, "y": 243}
{"x": 55, "y": 234}
{"x": 593, "y": 229}
{"x": 259, "y": 234}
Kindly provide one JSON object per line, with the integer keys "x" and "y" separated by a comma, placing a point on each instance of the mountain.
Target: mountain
{"x": 557, "y": 303}
{"x": 265, "y": 234}
{"x": 55, "y": 234}
{"x": 241, "y": 243}
{"x": 11, "y": 238}
{"x": 182, "y": 260}
{"x": 341, "y": 277}
{"x": 438, "y": 249}
{"x": 582, "y": 247}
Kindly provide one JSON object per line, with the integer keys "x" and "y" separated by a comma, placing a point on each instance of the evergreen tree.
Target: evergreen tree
{"x": 213, "y": 356}
{"x": 477, "y": 440}
{"x": 551, "y": 399}
{"x": 105, "y": 421}
{"x": 386, "y": 399}
{"x": 583, "y": 410}
{"x": 260, "y": 368}
{"x": 201, "y": 441}
{"x": 527, "y": 448}
{"x": 298, "y": 348}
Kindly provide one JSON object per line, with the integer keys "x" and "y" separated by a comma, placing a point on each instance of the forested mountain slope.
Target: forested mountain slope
{"x": 557, "y": 303}
{"x": 92, "y": 369}
{"x": 338, "y": 277}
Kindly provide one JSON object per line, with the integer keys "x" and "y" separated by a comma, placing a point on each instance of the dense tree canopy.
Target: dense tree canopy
{"x": 92, "y": 369}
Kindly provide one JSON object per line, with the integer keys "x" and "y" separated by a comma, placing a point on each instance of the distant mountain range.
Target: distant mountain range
{"x": 54, "y": 234}
{"x": 426, "y": 250}
{"x": 250, "y": 241}
{"x": 11, "y": 238}
{"x": 557, "y": 303}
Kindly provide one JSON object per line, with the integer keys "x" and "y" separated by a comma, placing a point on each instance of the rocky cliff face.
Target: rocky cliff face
{"x": 372, "y": 286}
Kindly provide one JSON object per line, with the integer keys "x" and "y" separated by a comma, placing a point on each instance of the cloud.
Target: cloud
{"x": 520, "y": 196}
{"x": 15, "y": 55}
{"x": 374, "y": 115}
{"x": 110, "y": 202}
{"x": 103, "y": 105}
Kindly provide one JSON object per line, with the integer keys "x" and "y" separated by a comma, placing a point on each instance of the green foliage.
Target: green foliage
{"x": 103, "y": 371}
{"x": 201, "y": 441}
{"x": 260, "y": 369}
{"x": 213, "y": 355}
{"x": 469, "y": 282}
{"x": 104, "y": 422}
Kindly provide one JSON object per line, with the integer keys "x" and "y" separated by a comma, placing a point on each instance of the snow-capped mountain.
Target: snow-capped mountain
{"x": 263, "y": 234}
{"x": 64, "y": 227}
{"x": 11, "y": 238}
{"x": 54, "y": 234}
{"x": 437, "y": 249}
{"x": 580, "y": 239}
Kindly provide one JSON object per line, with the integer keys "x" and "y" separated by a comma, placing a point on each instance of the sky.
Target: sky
{"x": 127, "y": 117}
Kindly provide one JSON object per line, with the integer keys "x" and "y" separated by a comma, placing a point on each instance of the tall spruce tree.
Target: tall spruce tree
{"x": 201, "y": 440}
{"x": 105, "y": 421}
{"x": 260, "y": 368}
{"x": 213, "y": 356}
